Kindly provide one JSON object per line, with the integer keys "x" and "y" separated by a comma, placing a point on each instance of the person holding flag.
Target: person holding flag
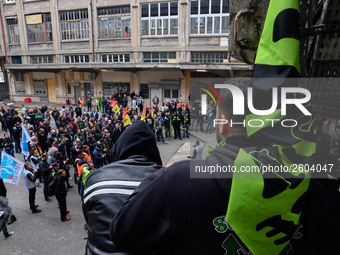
{"x": 31, "y": 182}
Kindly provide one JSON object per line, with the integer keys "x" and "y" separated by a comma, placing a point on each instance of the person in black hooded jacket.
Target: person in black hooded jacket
{"x": 171, "y": 212}
{"x": 135, "y": 156}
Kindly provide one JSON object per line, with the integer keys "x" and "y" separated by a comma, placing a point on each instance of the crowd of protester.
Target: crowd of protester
{"x": 83, "y": 138}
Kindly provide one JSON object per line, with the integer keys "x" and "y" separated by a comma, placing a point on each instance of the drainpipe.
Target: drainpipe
{"x": 93, "y": 56}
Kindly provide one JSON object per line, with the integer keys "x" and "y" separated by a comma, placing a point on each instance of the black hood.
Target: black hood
{"x": 138, "y": 139}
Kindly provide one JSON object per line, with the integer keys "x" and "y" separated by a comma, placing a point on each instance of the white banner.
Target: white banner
{"x": 11, "y": 169}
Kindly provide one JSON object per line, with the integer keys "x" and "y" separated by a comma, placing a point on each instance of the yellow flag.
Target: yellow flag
{"x": 144, "y": 113}
{"x": 114, "y": 106}
{"x": 126, "y": 118}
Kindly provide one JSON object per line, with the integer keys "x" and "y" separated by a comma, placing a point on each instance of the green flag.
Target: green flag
{"x": 99, "y": 103}
{"x": 264, "y": 212}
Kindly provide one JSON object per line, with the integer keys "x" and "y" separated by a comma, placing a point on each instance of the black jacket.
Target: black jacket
{"x": 60, "y": 188}
{"x": 135, "y": 156}
{"x": 91, "y": 142}
{"x": 44, "y": 168}
{"x": 42, "y": 138}
{"x": 8, "y": 144}
{"x": 63, "y": 149}
{"x": 171, "y": 213}
{"x": 116, "y": 133}
{"x": 3, "y": 190}
{"x": 16, "y": 133}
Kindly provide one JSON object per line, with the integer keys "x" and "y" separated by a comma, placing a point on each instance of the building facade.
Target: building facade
{"x": 59, "y": 50}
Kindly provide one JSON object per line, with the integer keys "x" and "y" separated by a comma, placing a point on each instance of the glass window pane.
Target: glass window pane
{"x": 155, "y": 57}
{"x": 174, "y": 93}
{"x": 204, "y": 7}
{"x": 69, "y": 88}
{"x": 145, "y": 27}
{"x": 145, "y": 10}
{"x": 153, "y": 26}
{"x": 217, "y": 25}
{"x": 154, "y": 10}
{"x": 202, "y": 25}
{"x": 172, "y": 55}
{"x": 147, "y": 57}
{"x": 164, "y": 9}
{"x": 194, "y": 26}
{"x": 167, "y": 93}
{"x": 173, "y": 8}
{"x": 209, "y": 25}
{"x": 225, "y": 24}
{"x": 115, "y": 58}
{"x": 215, "y": 6}
{"x": 145, "y": 90}
{"x": 159, "y": 27}
{"x": 174, "y": 26}
{"x": 34, "y": 60}
{"x": 225, "y": 6}
{"x": 194, "y": 7}
{"x": 163, "y": 57}
{"x": 165, "y": 26}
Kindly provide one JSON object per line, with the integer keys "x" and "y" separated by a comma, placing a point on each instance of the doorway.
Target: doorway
{"x": 52, "y": 91}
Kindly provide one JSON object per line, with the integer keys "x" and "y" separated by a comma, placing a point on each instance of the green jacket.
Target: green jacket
{"x": 84, "y": 174}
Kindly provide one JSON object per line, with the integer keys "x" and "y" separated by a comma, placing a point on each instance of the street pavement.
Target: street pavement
{"x": 44, "y": 233}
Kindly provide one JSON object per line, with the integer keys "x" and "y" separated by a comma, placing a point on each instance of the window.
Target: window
{"x": 74, "y": 24}
{"x": 48, "y": 59}
{"x": 209, "y": 57}
{"x": 9, "y": 1}
{"x": 145, "y": 90}
{"x": 40, "y": 86}
{"x": 114, "y": 22}
{"x": 77, "y": 59}
{"x": 209, "y": 17}
{"x": 170, "y": 93}
{"x": 160, "y": 19}
{"x": 116, "y": 58}
{"x": 39, "y": 27}
{"x": 68, "y": 87}
{"x": 158, "y": 57}
{"x": 18, "y": 76}
{"x": 16, "y": 60}
{"x": 19, "y": 83}
{"x": 13, "y": 31}
{"x": 109, "y": 88}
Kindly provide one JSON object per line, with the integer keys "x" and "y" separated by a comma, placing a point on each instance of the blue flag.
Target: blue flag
{"x": 11, "y": 169}
{"x": 24, "y": 142}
